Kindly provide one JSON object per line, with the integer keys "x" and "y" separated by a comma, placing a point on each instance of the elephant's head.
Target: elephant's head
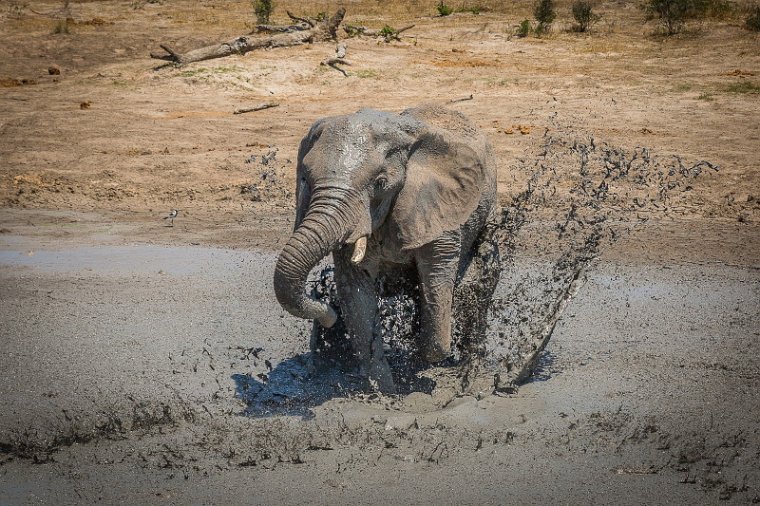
{"x": 360, "y": 171}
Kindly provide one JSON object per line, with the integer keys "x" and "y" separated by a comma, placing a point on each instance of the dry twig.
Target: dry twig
{"x": 463, "y": 99}
{"x": 260, "y": 107}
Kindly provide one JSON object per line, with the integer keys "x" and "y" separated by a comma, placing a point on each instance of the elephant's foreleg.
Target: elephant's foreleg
{"x": 437, "y": 264}
{"x": 358, "y": 295}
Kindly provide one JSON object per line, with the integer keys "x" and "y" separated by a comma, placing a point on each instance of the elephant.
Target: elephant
{"x": 388, "y": 193}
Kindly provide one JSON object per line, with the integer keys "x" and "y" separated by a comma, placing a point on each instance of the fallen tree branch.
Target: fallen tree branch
{"x": 260, "y": 107}
{"x": 338, "y": 59}
{"x": 326, "y": 30}
{"x": 168, "y": 50}
{"x": 300, "y": 20}
{"x": 334, "y": 62}
{"x": 401, "y": 30}
{"x": 463, "y": 99}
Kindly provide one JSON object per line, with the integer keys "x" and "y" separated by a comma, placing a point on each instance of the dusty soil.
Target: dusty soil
{"x": 147, "y": 363}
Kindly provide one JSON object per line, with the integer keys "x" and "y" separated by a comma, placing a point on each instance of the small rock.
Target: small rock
{"x": 54, "y": 70}
{"x": 85, "y": 105}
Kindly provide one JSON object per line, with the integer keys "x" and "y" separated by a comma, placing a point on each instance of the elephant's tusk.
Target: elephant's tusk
{"x": 360, "y": 248}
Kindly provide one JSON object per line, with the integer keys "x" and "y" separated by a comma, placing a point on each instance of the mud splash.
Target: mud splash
{"x": 546, "y": 238}
{"x": 559, "y": 224}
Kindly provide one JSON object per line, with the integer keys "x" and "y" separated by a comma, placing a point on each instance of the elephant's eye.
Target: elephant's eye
{"x": 380, "y": 183}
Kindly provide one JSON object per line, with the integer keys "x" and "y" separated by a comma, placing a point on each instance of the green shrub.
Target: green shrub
{"x": 263, "y": 10}
{"x": 443, "y": 9}
{"x": 388, "y": 31}
{"x": 584, "y": 15}
{"x": 672, "y": 14}
{"x": 524, "y": 28}
{"x": 544, "y": 14}
{"x": 753, "y": 20}
{"x": 62, "y": 26}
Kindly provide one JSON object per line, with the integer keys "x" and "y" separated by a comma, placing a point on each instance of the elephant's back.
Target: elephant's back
{"x": 447, "y": 122}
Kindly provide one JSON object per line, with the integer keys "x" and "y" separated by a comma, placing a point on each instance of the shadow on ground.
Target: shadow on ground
{"x": 295, "y": 386}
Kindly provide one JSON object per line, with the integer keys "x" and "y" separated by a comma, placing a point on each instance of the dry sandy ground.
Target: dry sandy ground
{"x": 134, "y": 354}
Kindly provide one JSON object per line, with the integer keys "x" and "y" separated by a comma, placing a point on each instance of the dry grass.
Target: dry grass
{"x": 235, "y": 17}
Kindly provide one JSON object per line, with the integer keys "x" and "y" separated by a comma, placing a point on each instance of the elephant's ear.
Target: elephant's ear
{"x": 303, "y": 190}
{"x": 444, "y": 181}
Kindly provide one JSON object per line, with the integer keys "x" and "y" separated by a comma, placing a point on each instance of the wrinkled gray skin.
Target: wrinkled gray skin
{"x": 419, "y": 186}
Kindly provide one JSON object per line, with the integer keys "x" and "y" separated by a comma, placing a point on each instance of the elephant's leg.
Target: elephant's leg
{"x": 437, "y": 264}
{"x": 358, "y": 295}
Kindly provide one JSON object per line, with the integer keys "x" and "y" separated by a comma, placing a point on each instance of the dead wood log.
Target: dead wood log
{"x": 300, "y": 20}
{"x": 334, "y": 62}
{"x": 260, "y": 107}
{"x": 326, "y": 30}
{"x": 300, "y": 27}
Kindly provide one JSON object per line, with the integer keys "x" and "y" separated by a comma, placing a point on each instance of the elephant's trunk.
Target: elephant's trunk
{"x": 324, "y": 228}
